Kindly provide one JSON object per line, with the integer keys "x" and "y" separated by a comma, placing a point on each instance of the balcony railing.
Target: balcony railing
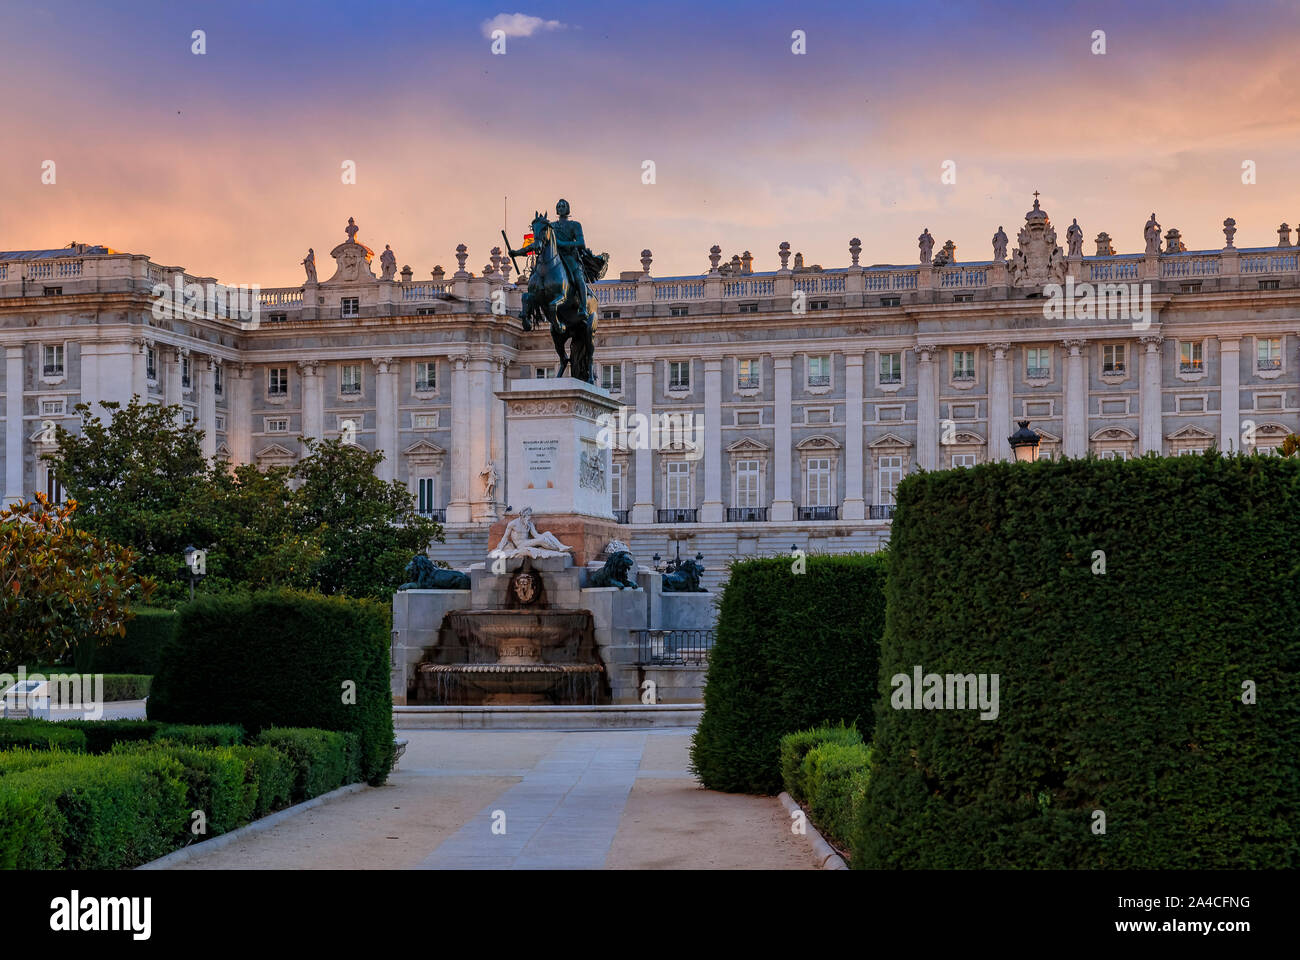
{"x": 1038, "y": 373}
{"x": 1194, "y": 366}
{"x": 821, "y": 380}
{"x": 350, "y": 388}
{"x": 747, "y": 383}
{"x": 621, "y": 516}
{"x": 1269, "y": 365}
{"x": 682, "y": 647}
{"x": 880, "y": 511}
{"x": 746, "y": 514}
{"x": 53, "y": 370}
{"x": 819, "y": 513}
{"x": 963, "y": 375}
{"x": 891, "y": 378}
{"x": 1114, "y": 370}
{"x": 677, "y": 516}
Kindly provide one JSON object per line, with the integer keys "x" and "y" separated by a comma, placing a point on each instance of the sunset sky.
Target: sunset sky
{"x": 229, "y": 163}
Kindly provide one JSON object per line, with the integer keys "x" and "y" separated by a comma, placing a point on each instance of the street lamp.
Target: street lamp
{"x": 1024, "y": 443}
{"x": 196, "y": 564}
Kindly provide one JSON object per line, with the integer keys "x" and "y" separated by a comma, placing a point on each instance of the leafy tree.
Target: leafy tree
{"x": 61, "y": 589}
{"x": 368, "y": 528}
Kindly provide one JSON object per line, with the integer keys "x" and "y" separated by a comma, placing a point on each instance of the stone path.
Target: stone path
{"x": 532, "y": 799}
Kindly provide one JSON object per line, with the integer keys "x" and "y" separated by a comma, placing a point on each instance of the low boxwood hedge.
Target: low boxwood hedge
{"x": 835, "y": 775}
{"x": 318, "y": 758}
{"x": 795, "y": 746}
{"x": 41, "y": 735}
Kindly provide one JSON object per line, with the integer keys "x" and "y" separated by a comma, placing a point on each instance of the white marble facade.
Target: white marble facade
{"x": 797, "y": 397}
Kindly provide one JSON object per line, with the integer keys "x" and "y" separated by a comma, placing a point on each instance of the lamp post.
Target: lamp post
{"x": 196, "y": 564}
{"x": 1024, "y": 443}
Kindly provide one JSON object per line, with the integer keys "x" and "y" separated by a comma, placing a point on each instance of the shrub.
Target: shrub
{"x": 274, "y": 773}
{"x": 217, "y": 780}
{"x": 317, "y": 758}
{"x": 1119, "y": 692}
{"x": 41, "y": 735}
{"x": 281, "y": 658}
{"x": 201, "y": 735}
{"x": 137, "y": 652}
{"x": 92, "y": 813}
{"x": 795, "y": 746}
{"x": 18, "y": 759}
{"x": 792, "y": 651}
{"x": 835, "y": 774}
{"x": 102, "y": 734}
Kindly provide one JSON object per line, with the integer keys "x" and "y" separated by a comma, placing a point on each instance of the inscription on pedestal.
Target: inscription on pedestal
{"x": 540, "y": 458}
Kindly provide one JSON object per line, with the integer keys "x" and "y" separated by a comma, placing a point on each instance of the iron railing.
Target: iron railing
{"x": 747, "y": 383}
{"x": 819, "y": 513}
{"x": 746, "y": 514}
{"x": 677, "y": 516}
{"x": 880, "y": 511}
{"x": 685, "y": 647}
{"x": 820, "y": 380}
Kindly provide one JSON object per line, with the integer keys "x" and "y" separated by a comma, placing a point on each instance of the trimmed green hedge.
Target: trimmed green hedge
{"x": 795, "y": 746}
{"x": 102, "y": 734}
{"x": 138, "y": 652}
{"x": 318, "y": 758}
{"x": 793, "y": 650}
{"x": 1119, "y": 692}
{"x": 41, "y": 735}
{"x": 835, "y": 775}
{"x": 202, "y": 735}
{"x": 282, "y": 658}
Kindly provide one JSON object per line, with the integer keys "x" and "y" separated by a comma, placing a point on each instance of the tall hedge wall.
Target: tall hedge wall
{"x": 137, "y": 652}
{"x": 1119, "y": 692}
{"x": 282, "y": 659}
{"x": 793, "y": 650}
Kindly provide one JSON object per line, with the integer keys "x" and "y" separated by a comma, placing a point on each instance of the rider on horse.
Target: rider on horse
{"x": 580, "y": 264}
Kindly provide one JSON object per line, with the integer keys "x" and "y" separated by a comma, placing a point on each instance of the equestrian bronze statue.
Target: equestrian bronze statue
{"x": 557, "y": 289}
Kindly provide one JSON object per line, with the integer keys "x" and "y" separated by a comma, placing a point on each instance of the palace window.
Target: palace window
{"x": 678, "y": 311}
{"x": 278, "y": 382}
{"x": 185, "y": 372}
{"x": 819, "y": 304}
{"x": 187, "y": 416}
{"x": 1268, "y": 284}
{"x": 426, "y": 376}
{"x": 616, "y": 486}
{"x": 277, "y": 424}
{"x": 747, "y": 479}
{"x": 1038, "y": 363}
{"x": 52, "y": 408}
{"x": 1113, "y": 359}
{"x": 749, "y": 308}
{"x": 219, "y": 423}
{"x": 543, "y": 373}
{"x": 151, "y": 364}
{"x": 679, "y": 374}
{"x": 611, "y": 314}
{"x": 817, "y": 483}
{"x": 963, "y": 364}
{"x": 819, "y": 371}
{"x": 611, "y": 377}
{"x": 350, "y": 307}
{"x": 966, "y": 460}
{"x": 889, "y": 474}
{"x": 1191, "y": 357}
{"x": 747, "y": 378}
{"x": 424, "y": 421}
{"x": 426, "y": 495}
{"x": 891, "y": 301}
{"x": 53, "y": 489}
{"x": 53, "y": 366}
{"x": 891, "y": 368}
{"x": 1113, "y": 455}
{"x": 218, "y": 380}
{"x": 350, "y": 379}
{"x": 678, "y": 478}
{"x": 1268, "y": 354}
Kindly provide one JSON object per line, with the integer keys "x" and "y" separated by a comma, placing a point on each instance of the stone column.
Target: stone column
{"x": 239, "y": 428}
{"x": 999, "y": 403}
{"x": 208, "y": 407}
{"x": 927, "y": 407}
{"x": 711, "y": 511}
{"x": 89, "y": 373}
{"x": 172, "y": 383}
{"x": 782, "y": 503}
{"x": 480, "y": 389}
{"x": 458, "y": 509}
{"x": 313, "y": 399}
{"x": 386, "y": 416}
{"x": 1152, "y": 421}
{"x": 854, "y": 505}
{"x": 15, "y": 372}
{"x": 1230, "y": 396}
{"x": 643, "y": 507}
{"x": 1075, "y": 441}
{"x": 117, "y": 373}
{"x": 498, "y": 451}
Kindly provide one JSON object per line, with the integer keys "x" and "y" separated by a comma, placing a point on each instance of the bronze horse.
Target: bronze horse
{"x": 550, "y": 299}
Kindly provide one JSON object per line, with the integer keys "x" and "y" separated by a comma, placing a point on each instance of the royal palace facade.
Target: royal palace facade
{"x": 806, "y": 393}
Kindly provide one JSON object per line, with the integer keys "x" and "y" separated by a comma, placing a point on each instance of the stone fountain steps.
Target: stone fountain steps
{"x": 617, "y": 716}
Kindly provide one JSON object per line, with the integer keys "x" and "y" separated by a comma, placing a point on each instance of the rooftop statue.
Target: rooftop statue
{"x": 310, "y": 264}
{"x": 557, "y": 289}
{"x": 1074, "y": 238}
{"x": 388, "y": 262}
{"x": 1000, "y": 245}
{"x": 1152, "y": 234}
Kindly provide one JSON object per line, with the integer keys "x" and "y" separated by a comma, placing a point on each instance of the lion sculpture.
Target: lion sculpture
{"x": 615, "y": 572}
{"x": 425, "y": 576}
{"x": 685, "y": 579}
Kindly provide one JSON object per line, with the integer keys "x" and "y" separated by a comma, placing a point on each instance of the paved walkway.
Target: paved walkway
{"x": 532, "y": 799}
